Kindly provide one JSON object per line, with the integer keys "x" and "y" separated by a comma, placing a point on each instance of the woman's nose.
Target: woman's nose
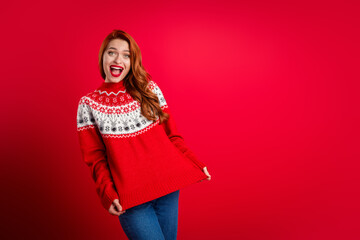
{"x": 118, "y": 59}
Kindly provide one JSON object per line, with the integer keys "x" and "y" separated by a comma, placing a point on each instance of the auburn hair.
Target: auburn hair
{"x": 136, "y": 81}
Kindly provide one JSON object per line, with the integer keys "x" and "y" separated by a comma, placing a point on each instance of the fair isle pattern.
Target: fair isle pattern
{"x": 119, "y": 109}
{"x": 86, "y": 127}
{"x": 101, "y": 92}
{"x": 116, "y": 100}
{"x": 136, "y": 133}
{"x": 120, "y": 120}
{"x": 131, "y": 134}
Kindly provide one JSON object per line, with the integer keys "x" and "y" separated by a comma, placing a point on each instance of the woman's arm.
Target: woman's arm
{"x": 172, "y": 131}
{"x": 94, "y": 155}
{"x": 177, "y": 139}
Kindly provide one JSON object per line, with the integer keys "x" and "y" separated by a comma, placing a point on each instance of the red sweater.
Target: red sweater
{"x": 131, "y": 158}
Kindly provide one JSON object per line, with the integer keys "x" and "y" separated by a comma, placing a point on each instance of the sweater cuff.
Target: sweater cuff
{"x": 200, "y": 164}
{"x": 108, "y": 198}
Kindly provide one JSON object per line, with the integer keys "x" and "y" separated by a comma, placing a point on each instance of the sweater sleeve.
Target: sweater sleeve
{"x": 172, "y": 132}
{"x": 94, "y": 154}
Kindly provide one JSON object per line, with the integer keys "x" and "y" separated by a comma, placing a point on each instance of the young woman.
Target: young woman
{"x": 128, "y": 138}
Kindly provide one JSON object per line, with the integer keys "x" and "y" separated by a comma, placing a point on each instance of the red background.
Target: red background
{"x": 266, "y": 94}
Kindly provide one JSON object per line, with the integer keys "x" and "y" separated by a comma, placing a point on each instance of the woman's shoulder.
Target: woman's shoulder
{"x": 89, "y": 98}
{"x": 152, "y": 85}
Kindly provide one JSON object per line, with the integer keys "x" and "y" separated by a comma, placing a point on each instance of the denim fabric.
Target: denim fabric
{"x": 153, "y": 220}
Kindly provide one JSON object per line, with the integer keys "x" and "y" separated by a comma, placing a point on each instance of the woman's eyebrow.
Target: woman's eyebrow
{"x": 116, "y": 49}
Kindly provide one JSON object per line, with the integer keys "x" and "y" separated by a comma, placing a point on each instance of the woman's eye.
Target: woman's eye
{"x": 127, "y": 56}
{"x": 111, "y": 53}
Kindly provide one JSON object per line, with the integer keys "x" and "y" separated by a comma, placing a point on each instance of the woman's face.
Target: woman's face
{"x": 116, "y": 60}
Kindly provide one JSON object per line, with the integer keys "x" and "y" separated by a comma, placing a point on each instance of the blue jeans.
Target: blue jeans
{"x": 153, "y": 220}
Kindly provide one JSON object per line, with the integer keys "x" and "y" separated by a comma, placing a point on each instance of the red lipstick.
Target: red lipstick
{"x": 116, "y": 68}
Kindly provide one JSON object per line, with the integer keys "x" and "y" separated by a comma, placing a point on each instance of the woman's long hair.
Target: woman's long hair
{"x": 137, "y": 79}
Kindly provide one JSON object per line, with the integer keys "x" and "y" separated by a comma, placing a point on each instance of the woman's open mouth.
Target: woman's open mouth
{"x": 116, "y": 70}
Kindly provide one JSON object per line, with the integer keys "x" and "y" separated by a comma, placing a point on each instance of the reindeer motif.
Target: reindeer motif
{"x": 124, "y": 121}
{"x": 134, "y": 117}
{"x": 84, "y": 114}
{"x": 102, "y": 119}
{"x": 113, "y": 118}
{"x": 88, "y": 116}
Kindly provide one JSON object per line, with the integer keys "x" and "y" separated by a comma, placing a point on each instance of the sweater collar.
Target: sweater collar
{"x": 112, "y": 87}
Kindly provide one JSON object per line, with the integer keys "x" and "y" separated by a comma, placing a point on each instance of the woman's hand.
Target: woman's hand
{"x": 116, "y": 208}
{"x": 207, "y": 174}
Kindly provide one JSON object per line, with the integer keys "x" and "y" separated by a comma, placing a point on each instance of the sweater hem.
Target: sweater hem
{"x": 151, "y": 192}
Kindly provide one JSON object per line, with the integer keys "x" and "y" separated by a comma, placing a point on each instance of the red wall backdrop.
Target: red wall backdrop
{"x": 266, "y": 94}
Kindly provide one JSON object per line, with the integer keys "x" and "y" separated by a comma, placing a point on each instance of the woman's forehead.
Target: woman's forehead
{"x": 118, "y": 43}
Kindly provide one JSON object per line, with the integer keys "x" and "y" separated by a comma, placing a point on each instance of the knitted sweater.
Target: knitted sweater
{"x": 131, "y": 158}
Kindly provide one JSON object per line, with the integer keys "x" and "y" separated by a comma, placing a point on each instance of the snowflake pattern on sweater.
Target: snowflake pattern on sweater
{"x": 114, "y": 120}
